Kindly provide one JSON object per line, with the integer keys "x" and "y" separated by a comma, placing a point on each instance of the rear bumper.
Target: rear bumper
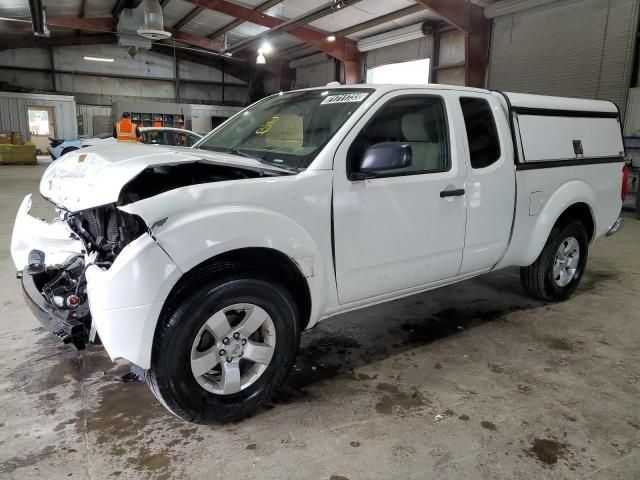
{"x": 57, "y": 321}
{"x": 617, "y": 225}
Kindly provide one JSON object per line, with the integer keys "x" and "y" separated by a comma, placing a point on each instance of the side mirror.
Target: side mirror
{"x": 382, "y": 157}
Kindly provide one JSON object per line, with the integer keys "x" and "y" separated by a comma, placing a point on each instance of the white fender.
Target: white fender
{"x": 531, "y": 232}
{"x": 193, "y": 236}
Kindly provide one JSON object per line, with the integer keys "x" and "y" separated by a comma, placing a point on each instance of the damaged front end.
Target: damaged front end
{"x": 52, "y": 259}
{"x": 97, "y": 272}
{"x": 57, "y": 296}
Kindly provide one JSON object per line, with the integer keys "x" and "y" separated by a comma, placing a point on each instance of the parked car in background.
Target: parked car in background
{"x": 150, "y": 135}
{"x": 177, "y": 137}
{"x": 61, "y": 146}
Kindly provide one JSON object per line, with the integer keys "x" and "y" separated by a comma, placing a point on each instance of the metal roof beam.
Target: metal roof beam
{"x": 374, "y": 22}
{"x": 230, "y": 26}
{"x": 122, "y": 4}
{"x": 99, "y": 24}
{"x": 469, "y": 19}
{"x": 287, "y": 25}
{"x": 462, "y": 14}
{"x": 57, "y": 41}
{"x": 342, "y": 49}
{"x": 188, "y": 17}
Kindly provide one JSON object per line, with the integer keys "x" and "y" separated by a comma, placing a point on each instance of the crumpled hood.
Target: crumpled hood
{"x": 94, "y": 176}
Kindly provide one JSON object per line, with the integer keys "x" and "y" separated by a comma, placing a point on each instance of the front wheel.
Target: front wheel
{"x": 222, "y": 351}
{"x": 557, "y": 272}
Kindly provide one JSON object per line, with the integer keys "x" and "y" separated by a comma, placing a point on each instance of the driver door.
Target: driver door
{"x": 397, "y": 232}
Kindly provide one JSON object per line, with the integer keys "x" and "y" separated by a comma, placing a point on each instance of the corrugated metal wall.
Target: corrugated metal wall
{"x": 401, "y": 52}
{"x": 316, "y": 74}
{"x": 632, "y": 120}
{"x": 573, "y": 48}
{"x": 14, "y": 117}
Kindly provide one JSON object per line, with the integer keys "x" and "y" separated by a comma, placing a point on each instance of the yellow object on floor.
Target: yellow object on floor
{"x": 18, "y": 154}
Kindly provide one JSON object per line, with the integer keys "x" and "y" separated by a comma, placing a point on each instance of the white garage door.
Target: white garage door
{"x": 573, "y": 48}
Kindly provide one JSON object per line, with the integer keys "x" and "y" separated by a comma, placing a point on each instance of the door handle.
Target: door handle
{"x": 458, "y": 192}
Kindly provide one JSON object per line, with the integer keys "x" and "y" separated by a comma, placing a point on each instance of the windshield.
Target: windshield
{"x": 287, "y": 129}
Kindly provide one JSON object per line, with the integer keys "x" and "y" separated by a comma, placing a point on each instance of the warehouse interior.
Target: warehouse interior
{"x": 471, "y": 380}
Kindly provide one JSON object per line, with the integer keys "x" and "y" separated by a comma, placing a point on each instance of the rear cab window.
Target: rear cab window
{"x": 482, "y": 133}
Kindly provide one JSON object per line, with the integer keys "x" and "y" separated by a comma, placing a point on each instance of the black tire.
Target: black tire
{"x": 537, "y": 279}
{"x": 170, "y": 377}
{"x": 67, "y": 150}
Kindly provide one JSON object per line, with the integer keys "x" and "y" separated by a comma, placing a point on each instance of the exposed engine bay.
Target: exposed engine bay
{"x": 105, "y": 230}
{"x": 159, "y": 179}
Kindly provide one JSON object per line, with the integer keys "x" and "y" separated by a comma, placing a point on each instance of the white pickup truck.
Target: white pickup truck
{"x": 202, "y": 265}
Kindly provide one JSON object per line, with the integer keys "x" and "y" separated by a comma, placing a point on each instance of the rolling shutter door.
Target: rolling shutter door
{"x": 569, "y": 48}
{"x": 401, "y": 52}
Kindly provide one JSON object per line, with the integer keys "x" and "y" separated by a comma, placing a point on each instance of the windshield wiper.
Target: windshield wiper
{"x": 261, "y": 159}
{"x": 235, "y": 151}
{"x": 280, "y": 165}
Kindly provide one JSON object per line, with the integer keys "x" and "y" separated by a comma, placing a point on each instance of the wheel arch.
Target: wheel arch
{"x": 552, "y": 216}
{"x": 574, "y": 199}
{"x": 579, "y": 211}
{"x": 267, "y": 262}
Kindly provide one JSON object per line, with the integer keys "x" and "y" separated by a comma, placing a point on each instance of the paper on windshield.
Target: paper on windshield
{"x": 345, "y": 98}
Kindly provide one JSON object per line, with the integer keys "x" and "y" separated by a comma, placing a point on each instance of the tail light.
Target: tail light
{"x": 625, "y": 183}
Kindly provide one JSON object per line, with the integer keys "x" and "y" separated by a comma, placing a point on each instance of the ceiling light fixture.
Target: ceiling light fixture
{"x": 266, "y": 48}
{"x": 331, "y": 37}
{"x": 261, "y": 60}
{"x": 99, "y": 59}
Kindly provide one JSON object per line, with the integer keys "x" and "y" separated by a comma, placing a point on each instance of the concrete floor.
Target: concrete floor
{"x": 473, "y": 381}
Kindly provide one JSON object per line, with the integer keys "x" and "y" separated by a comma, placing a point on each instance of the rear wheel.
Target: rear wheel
{"x": 557, "y": 272}
{"x": 221, "y": 351}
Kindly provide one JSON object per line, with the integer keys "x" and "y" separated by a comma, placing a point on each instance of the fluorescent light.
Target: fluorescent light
{"x": 331, "y": 38}
{"x": 228, "y": 54}
{"x": 99, "y": 59}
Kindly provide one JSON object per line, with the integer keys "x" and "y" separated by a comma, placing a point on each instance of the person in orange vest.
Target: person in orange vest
{"x": 125, "y": 131}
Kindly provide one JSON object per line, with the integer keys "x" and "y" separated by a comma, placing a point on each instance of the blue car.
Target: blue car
{"x": 61, "y": 146}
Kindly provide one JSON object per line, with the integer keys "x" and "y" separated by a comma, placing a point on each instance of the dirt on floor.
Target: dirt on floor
{"x": 472, "y": 381}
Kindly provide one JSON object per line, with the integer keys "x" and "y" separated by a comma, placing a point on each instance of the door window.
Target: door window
{"x": 417, "y": 120}
{"x": 186, "y": 139}
{"x": 482, "y": 134}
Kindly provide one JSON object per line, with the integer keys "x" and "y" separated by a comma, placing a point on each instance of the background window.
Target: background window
{"x": 482, "y": 134}
{"x": 38, "y": 121}
{"x": 419, "y": 121}
{"x": 414, "y": 71}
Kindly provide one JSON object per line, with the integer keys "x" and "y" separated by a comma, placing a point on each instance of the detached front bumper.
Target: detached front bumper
{"x": 57, "y": 245}
{"x": 123, "y": 301}
{"x": 54, "y": 239}
{"x": 60, "y": 322}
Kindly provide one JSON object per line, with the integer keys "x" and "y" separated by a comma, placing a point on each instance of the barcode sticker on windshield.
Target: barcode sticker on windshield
{"x": 345, "y": 98}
